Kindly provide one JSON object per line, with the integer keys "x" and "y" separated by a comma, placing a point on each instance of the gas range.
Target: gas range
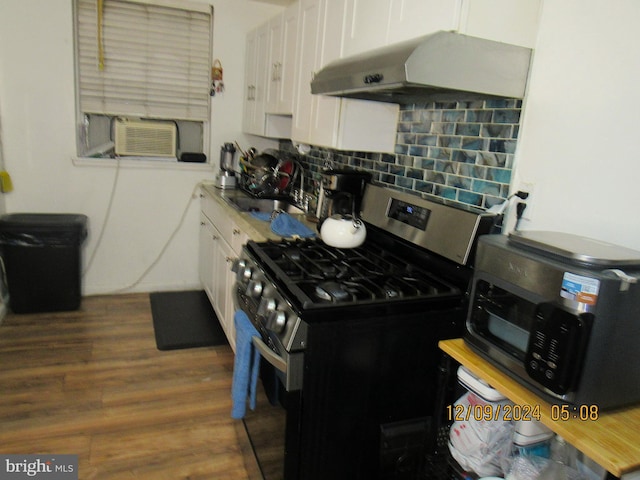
{"x": 353, "y": 333}
{"x": 279, "y": 283}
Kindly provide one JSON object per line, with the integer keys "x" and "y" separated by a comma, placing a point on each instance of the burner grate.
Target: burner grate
{"x": 326, "y": 275}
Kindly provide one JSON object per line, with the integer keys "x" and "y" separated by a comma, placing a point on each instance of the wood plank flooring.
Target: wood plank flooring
{"x": 92, "y": 383}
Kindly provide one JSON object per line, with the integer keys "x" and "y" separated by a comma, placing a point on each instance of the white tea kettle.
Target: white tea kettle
{"x": 343, "y": 231}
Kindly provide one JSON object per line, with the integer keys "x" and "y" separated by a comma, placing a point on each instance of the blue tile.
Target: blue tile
{"x": 424, "y": 187}
{"x": 471, "y": 143}
{"x": 417, "y": 151}
{"x": 497, "y": 103}
{"x": 451, "y": 142}
{"x": 405, "y": 160}
{"x": 428, "y": 140}
{"x": 445, "y": 192}
{"x": 401, "y": 149}
{"x": 426, "y": 163}
{"x": 474, "y": 171}
{"x": 453, "y": 116}
{"x": 459, "y": 182}
{"x": 489, "y": 188}
{"x": 414, "y": 173}
{"x": 497, "y": 146}
{"x": 500, "y": 175}
{"x": 404, "y": 182}
{"x": 497, "y": 130}
{"x": 440, "y": 153}
{"x": 470, "y": 198}
{"x": 468, "y": 129}
{"x": 396, "y": 169}
{"x": 464, "y": 156}
{"x": 479, "y": 116}
{"x": 506, "y": 116}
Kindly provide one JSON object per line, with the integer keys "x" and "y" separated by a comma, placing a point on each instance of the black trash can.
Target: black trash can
{"x": 43, "y": 260}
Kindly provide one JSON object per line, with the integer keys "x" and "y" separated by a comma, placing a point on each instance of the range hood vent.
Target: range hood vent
{"x": 437, "y": 66}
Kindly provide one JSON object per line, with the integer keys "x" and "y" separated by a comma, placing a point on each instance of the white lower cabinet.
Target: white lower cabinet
{"x": 221, "y": 241}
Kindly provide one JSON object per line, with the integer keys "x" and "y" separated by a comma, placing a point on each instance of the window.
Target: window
{"x": 143, "y": 77}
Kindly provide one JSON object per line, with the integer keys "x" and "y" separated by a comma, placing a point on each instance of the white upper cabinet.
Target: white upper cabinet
{"x": 376, "y": 23}
{"x": 308, "y": 31}
{"x": 283, "y": 44}
{"x": 253, "y": 120}
{"x": 507, "y": 21}
{"x": 413, "y": 18}
{"x": 333, "y": 122}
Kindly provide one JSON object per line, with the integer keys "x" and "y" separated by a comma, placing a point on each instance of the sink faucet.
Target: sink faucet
{"x": 299, "y": 195}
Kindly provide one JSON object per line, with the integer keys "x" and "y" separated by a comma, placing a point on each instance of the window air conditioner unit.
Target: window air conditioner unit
{"x": 144, "y": 138}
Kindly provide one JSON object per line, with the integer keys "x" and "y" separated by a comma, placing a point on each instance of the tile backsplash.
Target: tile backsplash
{"x": 459, "y": 151}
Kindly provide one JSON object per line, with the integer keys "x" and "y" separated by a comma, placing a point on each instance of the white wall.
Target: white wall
{"x": 581, "y": 124}
{"x": 38, "y": 136}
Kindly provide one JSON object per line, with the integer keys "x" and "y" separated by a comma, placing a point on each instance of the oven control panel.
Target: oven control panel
{"x": 409, "y": 214}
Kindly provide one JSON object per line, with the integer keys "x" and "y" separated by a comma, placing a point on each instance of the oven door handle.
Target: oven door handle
{"x": 269, "y": 355}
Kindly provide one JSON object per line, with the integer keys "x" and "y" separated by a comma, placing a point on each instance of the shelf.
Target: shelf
{"x": 611, "y": 440}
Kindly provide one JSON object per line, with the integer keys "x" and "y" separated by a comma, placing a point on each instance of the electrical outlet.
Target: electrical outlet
{"x": 528, "y": 187}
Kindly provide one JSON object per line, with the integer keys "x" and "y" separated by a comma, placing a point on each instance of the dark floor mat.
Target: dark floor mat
{"x": 185, "y": 320}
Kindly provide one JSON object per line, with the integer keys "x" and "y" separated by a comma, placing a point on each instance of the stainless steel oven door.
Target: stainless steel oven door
{"x": 273, "y": 427}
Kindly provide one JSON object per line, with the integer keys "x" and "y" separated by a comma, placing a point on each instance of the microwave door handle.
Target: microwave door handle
{"x": 269, "y": 355}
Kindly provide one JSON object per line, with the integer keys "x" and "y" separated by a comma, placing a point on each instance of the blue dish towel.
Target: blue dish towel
{"x": 246, "y": 366}
{"x": 287, "y": 226}
{"x": 265, "y": 217}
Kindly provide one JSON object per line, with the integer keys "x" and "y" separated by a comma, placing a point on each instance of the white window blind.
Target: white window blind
{"x": 157, "y": 58}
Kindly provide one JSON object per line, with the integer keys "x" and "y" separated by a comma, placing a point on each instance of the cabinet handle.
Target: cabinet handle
{"x": 236, "y": 231}
{"x": 214, "y": 237}
{"x": 228, "y": 259}
{"x": 202, "y": 224}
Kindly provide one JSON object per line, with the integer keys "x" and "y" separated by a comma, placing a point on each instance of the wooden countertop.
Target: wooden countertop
{"x": 612, "y": 441}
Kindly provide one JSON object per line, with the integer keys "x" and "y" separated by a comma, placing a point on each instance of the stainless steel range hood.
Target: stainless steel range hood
{"x": 440, "y": 65}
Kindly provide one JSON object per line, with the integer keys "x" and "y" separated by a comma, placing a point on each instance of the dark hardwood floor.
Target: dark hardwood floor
{"x": 92, "y": 382}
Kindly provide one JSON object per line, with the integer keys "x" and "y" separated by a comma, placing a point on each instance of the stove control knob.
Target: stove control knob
{"x": 254, "y": 289}
{"x": 267, "y": 305}
{"x": 276, "y": 321}
{"x": 238, "y": 265}
{"x": 244, "y": 274}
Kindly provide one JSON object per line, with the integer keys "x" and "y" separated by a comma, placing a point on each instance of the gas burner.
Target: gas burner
{"x": 331, "y": 291}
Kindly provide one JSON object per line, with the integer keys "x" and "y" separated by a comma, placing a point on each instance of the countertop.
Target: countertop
{"x": 612, "y": 441}
{"x": 256, "y": 229}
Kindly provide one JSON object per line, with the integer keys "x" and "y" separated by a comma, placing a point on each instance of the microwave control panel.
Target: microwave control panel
{"x": 556, "y": 347}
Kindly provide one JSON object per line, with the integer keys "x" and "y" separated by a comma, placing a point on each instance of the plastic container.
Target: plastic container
{"x": 42, "y": 260}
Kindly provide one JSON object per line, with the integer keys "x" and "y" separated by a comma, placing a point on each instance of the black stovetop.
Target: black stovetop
{"x": 320, "y": 276}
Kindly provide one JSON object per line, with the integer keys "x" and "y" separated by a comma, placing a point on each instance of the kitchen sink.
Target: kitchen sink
{"x": 245, "y": 203}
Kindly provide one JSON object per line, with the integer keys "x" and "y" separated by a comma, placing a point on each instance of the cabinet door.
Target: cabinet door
{"x": 256, "y": 83}
{"x": 502, "y": 20}
{"x": 325, "y": 110}
{"x": 283, "y": 44}
{"x": 366, "y": 26}
{"x": 330, "y": 121}
{"x": 249, "y": 104}
{"x": 414, "y": 18}
{"x": 207, "y": 247}
{"x": 223, "y": 300}
{"x": 308, "y": 31}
